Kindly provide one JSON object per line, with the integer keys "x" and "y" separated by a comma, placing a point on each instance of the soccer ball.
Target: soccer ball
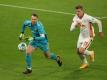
{"x": 22, "y": 46}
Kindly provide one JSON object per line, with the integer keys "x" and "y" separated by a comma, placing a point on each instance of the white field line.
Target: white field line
{"x": 43, "y": 10}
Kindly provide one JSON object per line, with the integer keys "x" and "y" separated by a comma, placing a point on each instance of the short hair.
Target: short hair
{"x": 79, "y": 7}
{"x": 35, "y": 15}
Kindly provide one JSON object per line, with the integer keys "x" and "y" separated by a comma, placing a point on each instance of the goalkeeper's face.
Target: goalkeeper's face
{"x": 34, "y": 19}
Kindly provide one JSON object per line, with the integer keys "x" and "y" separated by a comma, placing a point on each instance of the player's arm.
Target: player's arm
{"x": 74, "y": 24}
{"x": 99, "y": 23}
{"x": 41, "y": 32}
{"x": 41, "y": 37}
{"x": 21, "y": 36}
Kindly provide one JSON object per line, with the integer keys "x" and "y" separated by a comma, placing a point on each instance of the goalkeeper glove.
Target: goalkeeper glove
{"x": 28, "y": 38}
{"x": 21, "y": 36}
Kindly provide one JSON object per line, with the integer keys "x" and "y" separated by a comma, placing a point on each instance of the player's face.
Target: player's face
{"x": 79, "y": 13}
{"x": 34, "y": 19}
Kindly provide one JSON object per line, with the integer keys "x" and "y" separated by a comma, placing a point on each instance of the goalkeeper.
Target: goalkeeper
{"x": 39, "y": 41}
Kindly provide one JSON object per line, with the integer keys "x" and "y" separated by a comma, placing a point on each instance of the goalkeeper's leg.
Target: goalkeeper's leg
{"x": 53, "y": 56}
{"x": 49, "y": 55}
{"x": 28, "y": 59}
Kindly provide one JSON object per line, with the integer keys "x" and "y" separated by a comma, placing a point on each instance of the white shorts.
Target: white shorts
{"x": 84, "y": 42}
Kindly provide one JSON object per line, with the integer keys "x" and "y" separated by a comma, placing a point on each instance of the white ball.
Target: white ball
{"x": 22, "y": 46}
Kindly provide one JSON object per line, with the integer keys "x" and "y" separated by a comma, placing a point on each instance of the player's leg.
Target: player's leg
{"x": 28, "y": 59}
{"x": 83, "y": 58}
{"x": 88, "y": 52}
{"x": 49, "y": 55}
{"x": 80, "y": 52}
{"x": 84, "y": 51}
{"x": 29, "y": 50}
{"x": 53, "y": 56}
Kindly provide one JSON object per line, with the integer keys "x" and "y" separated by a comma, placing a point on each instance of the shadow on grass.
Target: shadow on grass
{"x": 101, "y": 68}
{"x": 76, "y": 74}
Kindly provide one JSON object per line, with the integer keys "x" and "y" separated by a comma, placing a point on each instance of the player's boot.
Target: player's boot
{"x": 92, "y": 56}
{"x": 84, "y": 66}
{"x": 27, "y": 71}
{"x": 59, "y": 61}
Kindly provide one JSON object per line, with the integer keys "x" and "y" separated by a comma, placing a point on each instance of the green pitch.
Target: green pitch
{"x": 61, "y": 40}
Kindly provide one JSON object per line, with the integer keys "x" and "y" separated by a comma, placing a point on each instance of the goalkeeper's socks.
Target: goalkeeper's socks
{"x": 53, "y": 56}
{"x": 28, "y": 61}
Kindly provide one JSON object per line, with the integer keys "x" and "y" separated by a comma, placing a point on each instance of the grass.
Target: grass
{"x": 61, "y": 40}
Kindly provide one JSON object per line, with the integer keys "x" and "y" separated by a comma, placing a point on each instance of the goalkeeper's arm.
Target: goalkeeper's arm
{"x": 21, "y": 36}
{"x": 42, "y": 36}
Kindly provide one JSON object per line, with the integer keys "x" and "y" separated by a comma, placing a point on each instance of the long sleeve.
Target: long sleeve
{"x": 25, "y": 24}
{"x": 74, "y": 23}
{"x": 41, "y": 32}
{"x": 42, "y": 36}
{"x": 73, "y": 26}
{"x": 94, "y": 20}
